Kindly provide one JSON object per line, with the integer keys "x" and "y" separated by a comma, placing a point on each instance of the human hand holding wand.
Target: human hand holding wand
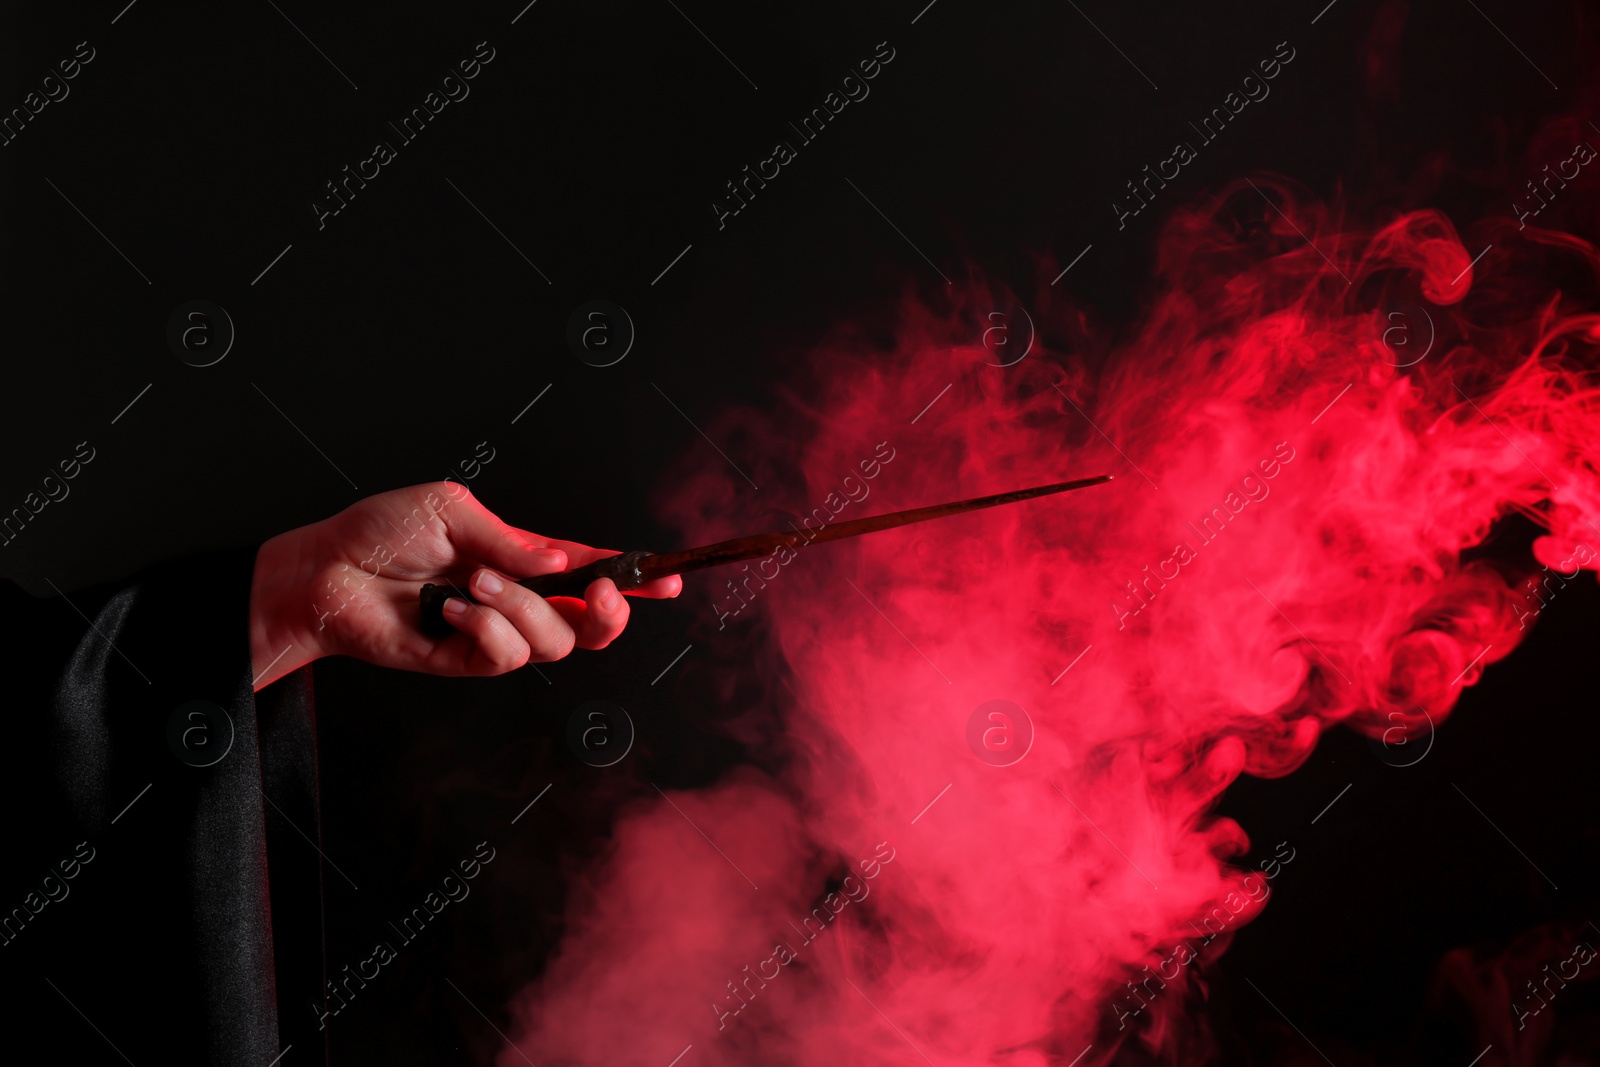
{"x": 482, "y": 606}
{"x": 348, "y": 585}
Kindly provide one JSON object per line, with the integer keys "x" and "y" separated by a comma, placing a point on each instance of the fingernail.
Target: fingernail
{"x": 550, "y": 557}
{"x": 489, "y": 583}
{"x": 455, "y": 606}
{"x": 608, "y": 599}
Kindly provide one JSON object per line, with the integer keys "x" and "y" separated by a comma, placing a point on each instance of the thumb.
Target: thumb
{"x": 477, "y": 532}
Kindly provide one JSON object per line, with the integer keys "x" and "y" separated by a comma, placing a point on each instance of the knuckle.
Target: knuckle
{"x": 450, "y": 491}
{"x": 525, "y": 607}
{"x": 509, "y": 656}
{"x": 604, "y": 631}
{"x": 502, "y": 646}
{"x": 559, "y": 643}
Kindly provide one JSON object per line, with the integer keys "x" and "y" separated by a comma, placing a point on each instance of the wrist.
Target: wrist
{"x": 283, "y": 634}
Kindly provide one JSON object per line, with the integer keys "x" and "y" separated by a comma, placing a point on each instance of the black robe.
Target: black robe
{"x": 150, "y": 905}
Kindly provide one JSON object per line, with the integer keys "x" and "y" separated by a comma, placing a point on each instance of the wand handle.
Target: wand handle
{"x": 624, "y": 570}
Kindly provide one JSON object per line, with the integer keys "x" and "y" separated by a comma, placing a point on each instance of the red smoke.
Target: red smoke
{"x": 1261, "y": 390}
{"x": 1515, "y": 992}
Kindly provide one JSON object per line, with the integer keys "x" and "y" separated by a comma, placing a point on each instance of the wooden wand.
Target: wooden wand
{"x": 630, "y": 570}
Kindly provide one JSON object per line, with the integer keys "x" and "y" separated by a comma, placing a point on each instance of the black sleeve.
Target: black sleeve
{"x": 161, "y": 893}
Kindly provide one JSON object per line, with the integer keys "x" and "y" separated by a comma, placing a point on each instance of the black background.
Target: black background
{"x": 408, "y": 330}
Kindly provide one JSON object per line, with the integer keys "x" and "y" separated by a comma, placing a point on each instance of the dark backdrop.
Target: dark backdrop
{"x": 380, "y": 349}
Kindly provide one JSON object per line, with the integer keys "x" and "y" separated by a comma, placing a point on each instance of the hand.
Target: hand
{"x": 348, "y": 586}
